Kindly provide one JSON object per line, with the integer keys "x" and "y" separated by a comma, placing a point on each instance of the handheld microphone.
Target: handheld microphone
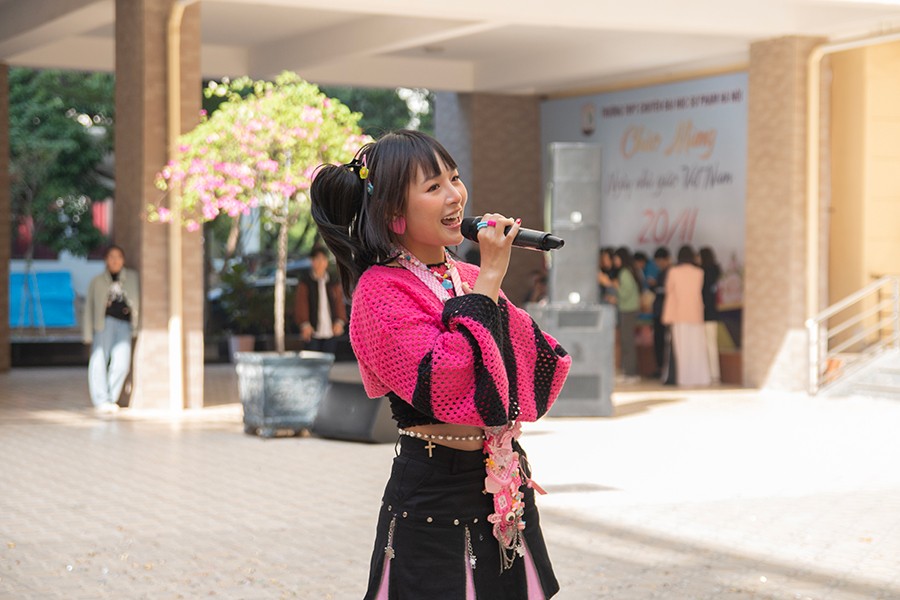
{"x": 526, "y": 238}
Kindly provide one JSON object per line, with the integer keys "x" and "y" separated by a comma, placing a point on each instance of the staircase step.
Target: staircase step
{"x": 877, "y": 389}
{"x": 880, "y": 378}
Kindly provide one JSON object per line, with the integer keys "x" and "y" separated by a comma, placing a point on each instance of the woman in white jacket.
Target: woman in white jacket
{"x": 111, "y": 313}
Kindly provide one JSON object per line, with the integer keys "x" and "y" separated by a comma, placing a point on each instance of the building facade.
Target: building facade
{"x": 490, "y": 119}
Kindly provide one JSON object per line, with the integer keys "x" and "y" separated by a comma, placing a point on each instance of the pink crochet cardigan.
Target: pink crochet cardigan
{"x": 469, "y": 361}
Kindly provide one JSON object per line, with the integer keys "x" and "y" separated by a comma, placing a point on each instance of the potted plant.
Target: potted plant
{"x": 260, "y": 148}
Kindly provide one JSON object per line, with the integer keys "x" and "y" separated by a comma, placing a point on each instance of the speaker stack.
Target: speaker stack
{"x": 585, "y": 328}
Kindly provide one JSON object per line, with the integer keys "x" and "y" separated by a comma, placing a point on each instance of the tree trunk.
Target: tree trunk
{"x": 234, "y": 235}
{"x": 31, "y": 298}
{"x": 280, "y": 276}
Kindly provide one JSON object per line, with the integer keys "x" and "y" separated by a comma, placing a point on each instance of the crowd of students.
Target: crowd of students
{"x": 681, "y": 299}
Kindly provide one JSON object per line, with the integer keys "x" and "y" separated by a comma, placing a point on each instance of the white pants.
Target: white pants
{"x": 110, "y": 361}
{"x": 712, "y": 349}
{"x": 691, "y": 358}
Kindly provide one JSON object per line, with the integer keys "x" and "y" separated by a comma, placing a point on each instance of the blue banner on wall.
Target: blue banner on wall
{"x": 41, "y": 300}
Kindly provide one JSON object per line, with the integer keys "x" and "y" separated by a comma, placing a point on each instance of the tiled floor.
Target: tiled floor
{"x": 682, "y": 495}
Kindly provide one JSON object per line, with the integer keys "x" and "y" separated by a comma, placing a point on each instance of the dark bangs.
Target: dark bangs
{"x": 428, "y": 154}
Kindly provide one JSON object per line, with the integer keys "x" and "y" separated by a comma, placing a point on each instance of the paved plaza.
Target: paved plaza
{"x": 682, "y": 495}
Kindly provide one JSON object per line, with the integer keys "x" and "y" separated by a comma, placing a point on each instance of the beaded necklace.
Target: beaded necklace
{"x": 437, "y": 283}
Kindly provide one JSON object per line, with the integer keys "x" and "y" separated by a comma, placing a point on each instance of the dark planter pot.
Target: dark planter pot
{"x": 281, "y": 392}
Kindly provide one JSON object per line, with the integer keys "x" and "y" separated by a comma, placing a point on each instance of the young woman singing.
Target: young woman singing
{"x": 461, "y": 365}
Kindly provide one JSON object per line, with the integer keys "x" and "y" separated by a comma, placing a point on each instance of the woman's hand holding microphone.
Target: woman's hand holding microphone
{"x": 495, "y": 247}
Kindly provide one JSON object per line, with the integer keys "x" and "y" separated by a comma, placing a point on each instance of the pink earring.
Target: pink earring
{"x": 398, "y": 225}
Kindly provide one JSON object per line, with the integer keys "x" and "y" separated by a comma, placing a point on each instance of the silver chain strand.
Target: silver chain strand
{"x": 389, "y": 549}
{"x": 469, "y": 549}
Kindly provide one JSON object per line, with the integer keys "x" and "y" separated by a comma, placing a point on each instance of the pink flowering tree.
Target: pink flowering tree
{"x": 258, "y": 150}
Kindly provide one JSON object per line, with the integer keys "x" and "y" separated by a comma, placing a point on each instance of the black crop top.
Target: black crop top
{"x": 407, "y": 416}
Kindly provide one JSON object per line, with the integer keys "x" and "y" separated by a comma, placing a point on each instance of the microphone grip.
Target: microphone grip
{"x": 528, "y": 242}
{"x": 529, "y": 239}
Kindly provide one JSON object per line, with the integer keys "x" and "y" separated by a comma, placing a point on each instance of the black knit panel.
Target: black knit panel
{"x": 544, "y": 369}
{"x": 405, "y": 415}
{"x": 477, "y": 307}
{"x": 509, "y": 360}
{"x": 487, "y": 396}
{"x": 421, "y": 399}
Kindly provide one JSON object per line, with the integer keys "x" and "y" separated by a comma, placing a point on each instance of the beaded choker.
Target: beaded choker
{"x": 440, "y": 284}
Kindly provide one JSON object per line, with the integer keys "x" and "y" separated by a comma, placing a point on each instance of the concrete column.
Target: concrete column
{"x": 141, "y": 151}
{"x": 774, "y": 337}
{"x": 496, "y": 141}
{"x": 5, "y": 220}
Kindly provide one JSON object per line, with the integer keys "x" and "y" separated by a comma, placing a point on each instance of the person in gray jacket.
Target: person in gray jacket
{"x": 111, "y": 317}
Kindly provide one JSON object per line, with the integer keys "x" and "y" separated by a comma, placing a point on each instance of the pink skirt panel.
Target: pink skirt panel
{"x": 385, "y": 578}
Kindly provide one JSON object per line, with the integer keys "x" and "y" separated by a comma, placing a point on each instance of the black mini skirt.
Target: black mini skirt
{"x": 433, "y": 523}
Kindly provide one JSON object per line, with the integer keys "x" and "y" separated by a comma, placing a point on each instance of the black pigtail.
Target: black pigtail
{"x": 336, "y": 198}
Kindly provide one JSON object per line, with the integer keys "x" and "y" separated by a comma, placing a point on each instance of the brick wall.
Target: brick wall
{"x": 498, "y": 138}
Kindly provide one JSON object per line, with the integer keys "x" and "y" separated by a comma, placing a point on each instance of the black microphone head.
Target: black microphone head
{"x": 469, "y": 228}
{"x": 551, "y": 242}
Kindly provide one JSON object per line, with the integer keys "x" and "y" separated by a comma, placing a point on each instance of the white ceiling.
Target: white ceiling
{"x": 500, "y": 46}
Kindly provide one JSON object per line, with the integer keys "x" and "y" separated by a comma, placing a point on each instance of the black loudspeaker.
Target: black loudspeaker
{"x": 346, "y": 413}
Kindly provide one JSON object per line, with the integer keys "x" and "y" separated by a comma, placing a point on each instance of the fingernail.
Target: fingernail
{"x": 518, "y": 221}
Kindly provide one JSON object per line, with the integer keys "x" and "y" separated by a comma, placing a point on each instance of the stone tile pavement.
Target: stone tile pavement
{"x": 682, "y": 495}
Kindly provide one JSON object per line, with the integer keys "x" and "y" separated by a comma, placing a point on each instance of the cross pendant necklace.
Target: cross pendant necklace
{"x": 430, "y": 446}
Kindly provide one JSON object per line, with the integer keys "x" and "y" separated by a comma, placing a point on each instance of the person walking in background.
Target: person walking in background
{"x": 649, "y": 272}
{"x": 648, "y": 269}
{"x": 628, "y": 283}
{"x": 683, "y": 313}
{"x": 461, "y": 365}
{"x": 319, "y": 305}
{"x": 712, "y": 272}
{"x": 111, "y": 318}
{"x": 606, "y": 274}
{"x": 662, "y": 260}
{"x": 608, "y": 294}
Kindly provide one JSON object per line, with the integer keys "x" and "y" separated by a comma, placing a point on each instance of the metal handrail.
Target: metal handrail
{"x": 829, "y": 360}
{"x": 858, "y": 318}
{"x": 859, "y": 337}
